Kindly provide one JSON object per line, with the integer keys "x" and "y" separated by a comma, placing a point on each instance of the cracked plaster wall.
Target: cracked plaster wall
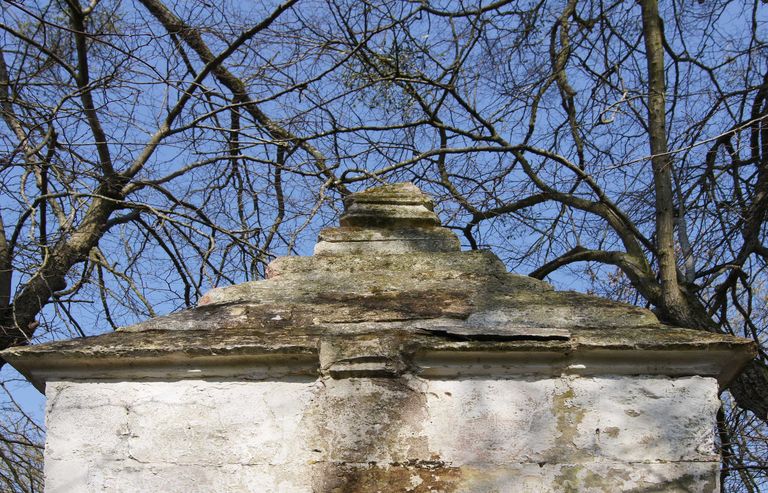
{"x": 568, "y": 434}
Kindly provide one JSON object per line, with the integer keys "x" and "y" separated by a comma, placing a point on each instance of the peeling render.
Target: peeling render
{"x": 384, "y": 434}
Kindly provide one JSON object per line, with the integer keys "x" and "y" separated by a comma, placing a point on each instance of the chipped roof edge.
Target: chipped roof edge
{"x": 231, "y": 353}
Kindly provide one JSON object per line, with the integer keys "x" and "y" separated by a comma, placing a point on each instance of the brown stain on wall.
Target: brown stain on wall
{"x": 413, "y": 477}
{"x": 367, "y": 434}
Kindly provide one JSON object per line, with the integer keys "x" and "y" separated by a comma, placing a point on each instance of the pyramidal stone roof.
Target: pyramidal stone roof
{"x": 388, "y": 291}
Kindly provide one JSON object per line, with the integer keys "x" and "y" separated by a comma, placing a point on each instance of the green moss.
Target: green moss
{"x": 568, "y": 481}
{"x": 568, "y": 416}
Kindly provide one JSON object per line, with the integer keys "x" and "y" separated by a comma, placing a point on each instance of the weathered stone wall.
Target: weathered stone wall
{"x": 485, "y": 434}
{"x": 439, "y": 372}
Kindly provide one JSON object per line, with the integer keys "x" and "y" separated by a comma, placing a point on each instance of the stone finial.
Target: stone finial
{"x": 388, "y": 219}
{"x": 395, "y": 205}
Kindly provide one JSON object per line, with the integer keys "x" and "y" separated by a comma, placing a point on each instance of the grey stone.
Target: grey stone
{"x": 399, "y": 205}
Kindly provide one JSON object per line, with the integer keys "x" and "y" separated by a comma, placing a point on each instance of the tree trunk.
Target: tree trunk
{"x": 677, "y": 306}
{"x": 661, "y": 160}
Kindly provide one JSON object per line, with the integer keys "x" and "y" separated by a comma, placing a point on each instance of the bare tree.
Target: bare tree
{"x": 155, "y": 149}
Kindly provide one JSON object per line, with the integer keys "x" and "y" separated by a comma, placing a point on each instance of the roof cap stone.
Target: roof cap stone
{"x": 388, "y": 219}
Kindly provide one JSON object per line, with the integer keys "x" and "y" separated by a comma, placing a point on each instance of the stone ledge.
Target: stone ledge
{"x": 233, "y": 353}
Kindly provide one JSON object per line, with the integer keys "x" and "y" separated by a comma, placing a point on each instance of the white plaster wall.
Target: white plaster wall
{"x": 573, "y": 419}
{"x": 184, "y": 436}
{"x": 558, "y": 434}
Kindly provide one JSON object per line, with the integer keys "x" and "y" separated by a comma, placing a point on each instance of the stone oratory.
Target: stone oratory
{"x": 388, "y": 361}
